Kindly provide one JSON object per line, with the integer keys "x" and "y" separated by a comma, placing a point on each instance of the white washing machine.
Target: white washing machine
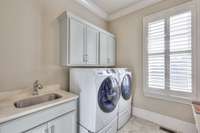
{"x": 99, "y": 94}
{"x": 125, "y": 102}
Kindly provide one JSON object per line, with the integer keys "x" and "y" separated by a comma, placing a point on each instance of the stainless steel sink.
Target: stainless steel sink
{"x": 36, "y": 100}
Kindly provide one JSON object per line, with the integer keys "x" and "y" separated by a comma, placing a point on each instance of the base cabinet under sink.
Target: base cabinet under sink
{"x": 63, "y": 124}
{"x": 61, "y": 118}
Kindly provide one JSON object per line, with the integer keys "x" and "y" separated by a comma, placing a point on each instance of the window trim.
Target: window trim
{"x": 167, "y": 94}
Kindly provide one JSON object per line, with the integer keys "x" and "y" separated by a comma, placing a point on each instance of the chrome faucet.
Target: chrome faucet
{"x": 36, "y": 87}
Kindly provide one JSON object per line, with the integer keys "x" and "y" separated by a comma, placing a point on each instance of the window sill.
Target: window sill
{"x": 170, "y": 98}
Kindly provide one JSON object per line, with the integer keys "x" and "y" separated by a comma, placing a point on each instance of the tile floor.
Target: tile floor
{"x": 136, "y": 125}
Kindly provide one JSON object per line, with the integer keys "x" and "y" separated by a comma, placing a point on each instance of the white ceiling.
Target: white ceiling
{"x": 112, "y": 6}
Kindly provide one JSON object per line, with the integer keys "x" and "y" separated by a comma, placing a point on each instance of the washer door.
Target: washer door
{"x": 126, "y": 87}
{"x": 108, "y": 95}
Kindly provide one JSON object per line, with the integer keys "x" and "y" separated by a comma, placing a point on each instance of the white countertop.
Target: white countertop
{"x": 8, "y": 111}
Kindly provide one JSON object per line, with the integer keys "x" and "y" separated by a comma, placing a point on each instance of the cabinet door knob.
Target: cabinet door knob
{"x": 52, "y": 129}
{"x": 86, "y": 57}
{"x": 46, "y": 130}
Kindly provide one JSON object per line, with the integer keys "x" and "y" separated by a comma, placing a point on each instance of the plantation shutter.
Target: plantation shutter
{"x": 156, "y": 44}
{"x": 169, "y": 53}
{"x": 181, "y": 52}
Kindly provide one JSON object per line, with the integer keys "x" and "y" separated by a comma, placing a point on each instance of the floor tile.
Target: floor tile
{"x": 136, "y": 125}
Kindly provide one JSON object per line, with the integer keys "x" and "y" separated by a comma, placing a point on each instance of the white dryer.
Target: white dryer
{"x": 99, "y": 94}
{"x": 125, "y": 102}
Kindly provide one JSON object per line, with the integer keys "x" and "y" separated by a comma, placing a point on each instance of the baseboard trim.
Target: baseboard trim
{"x": 165, "y": 121}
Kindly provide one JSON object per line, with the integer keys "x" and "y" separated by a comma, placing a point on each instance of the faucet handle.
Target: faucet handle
{"x": 38, "y": 85}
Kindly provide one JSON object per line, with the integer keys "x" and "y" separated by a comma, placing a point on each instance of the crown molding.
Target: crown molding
{"x": 94, "y": 8}
{"x": 109, "y": 17}
{"x": 132, "y": 8}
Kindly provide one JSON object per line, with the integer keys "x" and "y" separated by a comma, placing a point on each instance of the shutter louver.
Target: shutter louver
{"x": 156, "y": 42}
{"x": 181, "y": 52}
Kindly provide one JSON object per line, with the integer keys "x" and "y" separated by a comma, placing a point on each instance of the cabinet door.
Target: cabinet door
{"x": 64, "y": 124}
{"x": 76, "y": 42}
{"x": 103, "y": 49}
{"x": 92, "y": 46}
{"x": 111, "y": 50}
{"x": 39, "y": 129}
{"x": 107, "y": 50}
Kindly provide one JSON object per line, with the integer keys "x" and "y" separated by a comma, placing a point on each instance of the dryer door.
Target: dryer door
{"x": 108, "y": 95}
{"x": 126, "y": 87}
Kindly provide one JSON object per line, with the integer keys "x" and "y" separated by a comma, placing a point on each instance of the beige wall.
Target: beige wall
{"x": 128, "y": 30}
{"x": 29, "y": 44}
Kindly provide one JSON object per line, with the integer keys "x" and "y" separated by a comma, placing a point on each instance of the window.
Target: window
{"x": 169, "y": 64}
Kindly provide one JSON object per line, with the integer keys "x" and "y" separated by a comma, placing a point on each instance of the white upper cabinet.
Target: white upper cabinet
{"x": 83, "y": 44}
{"x": 92, "y": 45}
{"x": 111, "y": 50}
{"x": 103, "y": 49}
{"x": 77, "y": 42}
{"x": 107, "y": 50}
